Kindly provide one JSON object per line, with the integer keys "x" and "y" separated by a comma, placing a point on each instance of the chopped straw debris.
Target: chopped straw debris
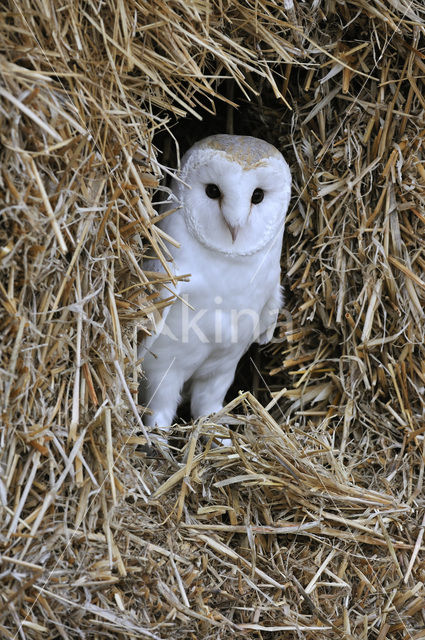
{"x": 311, "y": 525}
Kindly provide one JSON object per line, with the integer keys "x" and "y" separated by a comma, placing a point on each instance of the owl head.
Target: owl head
{"x": 234, "y": 193}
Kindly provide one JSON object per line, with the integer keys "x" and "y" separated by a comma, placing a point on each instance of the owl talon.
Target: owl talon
{"x": 224, "y": 442}
{"x": 220, "y": 442}
{"x": 159, "y": 438}
{"x": 156, "y": 449}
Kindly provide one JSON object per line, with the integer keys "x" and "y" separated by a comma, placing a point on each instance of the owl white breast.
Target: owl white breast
{"x": 232, "y": 194}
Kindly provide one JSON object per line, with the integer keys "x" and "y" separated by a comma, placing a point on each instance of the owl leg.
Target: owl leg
{"x": 162, "y": 394}
{"x": 208, "y": 396}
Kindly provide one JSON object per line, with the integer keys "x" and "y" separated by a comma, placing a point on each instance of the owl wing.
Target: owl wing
{"x": 269, "y": 315}
{"x": 166, "y": 294}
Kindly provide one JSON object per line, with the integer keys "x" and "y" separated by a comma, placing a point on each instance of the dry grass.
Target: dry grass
{"x": 311, "y": 525}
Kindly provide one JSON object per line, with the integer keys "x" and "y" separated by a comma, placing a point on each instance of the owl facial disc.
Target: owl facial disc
{"x": 234, "y": 193}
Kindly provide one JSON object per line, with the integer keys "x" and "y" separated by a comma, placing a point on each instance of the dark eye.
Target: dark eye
{"x": 212, "y": 191}
{"x": 257, "y": 196}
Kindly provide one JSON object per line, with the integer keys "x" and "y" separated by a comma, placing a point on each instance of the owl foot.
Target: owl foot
{"x": 158, "y": 446}
{"x": 221, "y": 442}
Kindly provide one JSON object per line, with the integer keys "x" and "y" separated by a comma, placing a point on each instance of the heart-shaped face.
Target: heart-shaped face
{"x": 234, "y": 193}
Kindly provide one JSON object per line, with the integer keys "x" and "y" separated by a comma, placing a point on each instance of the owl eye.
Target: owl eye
{"x": 213, "y": 191}
{"x": 257, "y": 196}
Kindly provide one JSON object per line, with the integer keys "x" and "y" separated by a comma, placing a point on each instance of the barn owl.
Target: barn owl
{"x": 231, "y": 195}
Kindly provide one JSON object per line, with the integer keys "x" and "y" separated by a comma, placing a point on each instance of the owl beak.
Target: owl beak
{"x": 234, "y": 230}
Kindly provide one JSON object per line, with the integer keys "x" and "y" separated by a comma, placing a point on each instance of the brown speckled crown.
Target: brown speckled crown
{"x": 247, "y": 151}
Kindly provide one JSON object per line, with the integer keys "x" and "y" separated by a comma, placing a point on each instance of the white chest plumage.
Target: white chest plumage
{"x": 233, "y": 196}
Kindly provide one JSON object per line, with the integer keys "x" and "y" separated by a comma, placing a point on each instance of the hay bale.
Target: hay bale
{"x": 311, "y": 525}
